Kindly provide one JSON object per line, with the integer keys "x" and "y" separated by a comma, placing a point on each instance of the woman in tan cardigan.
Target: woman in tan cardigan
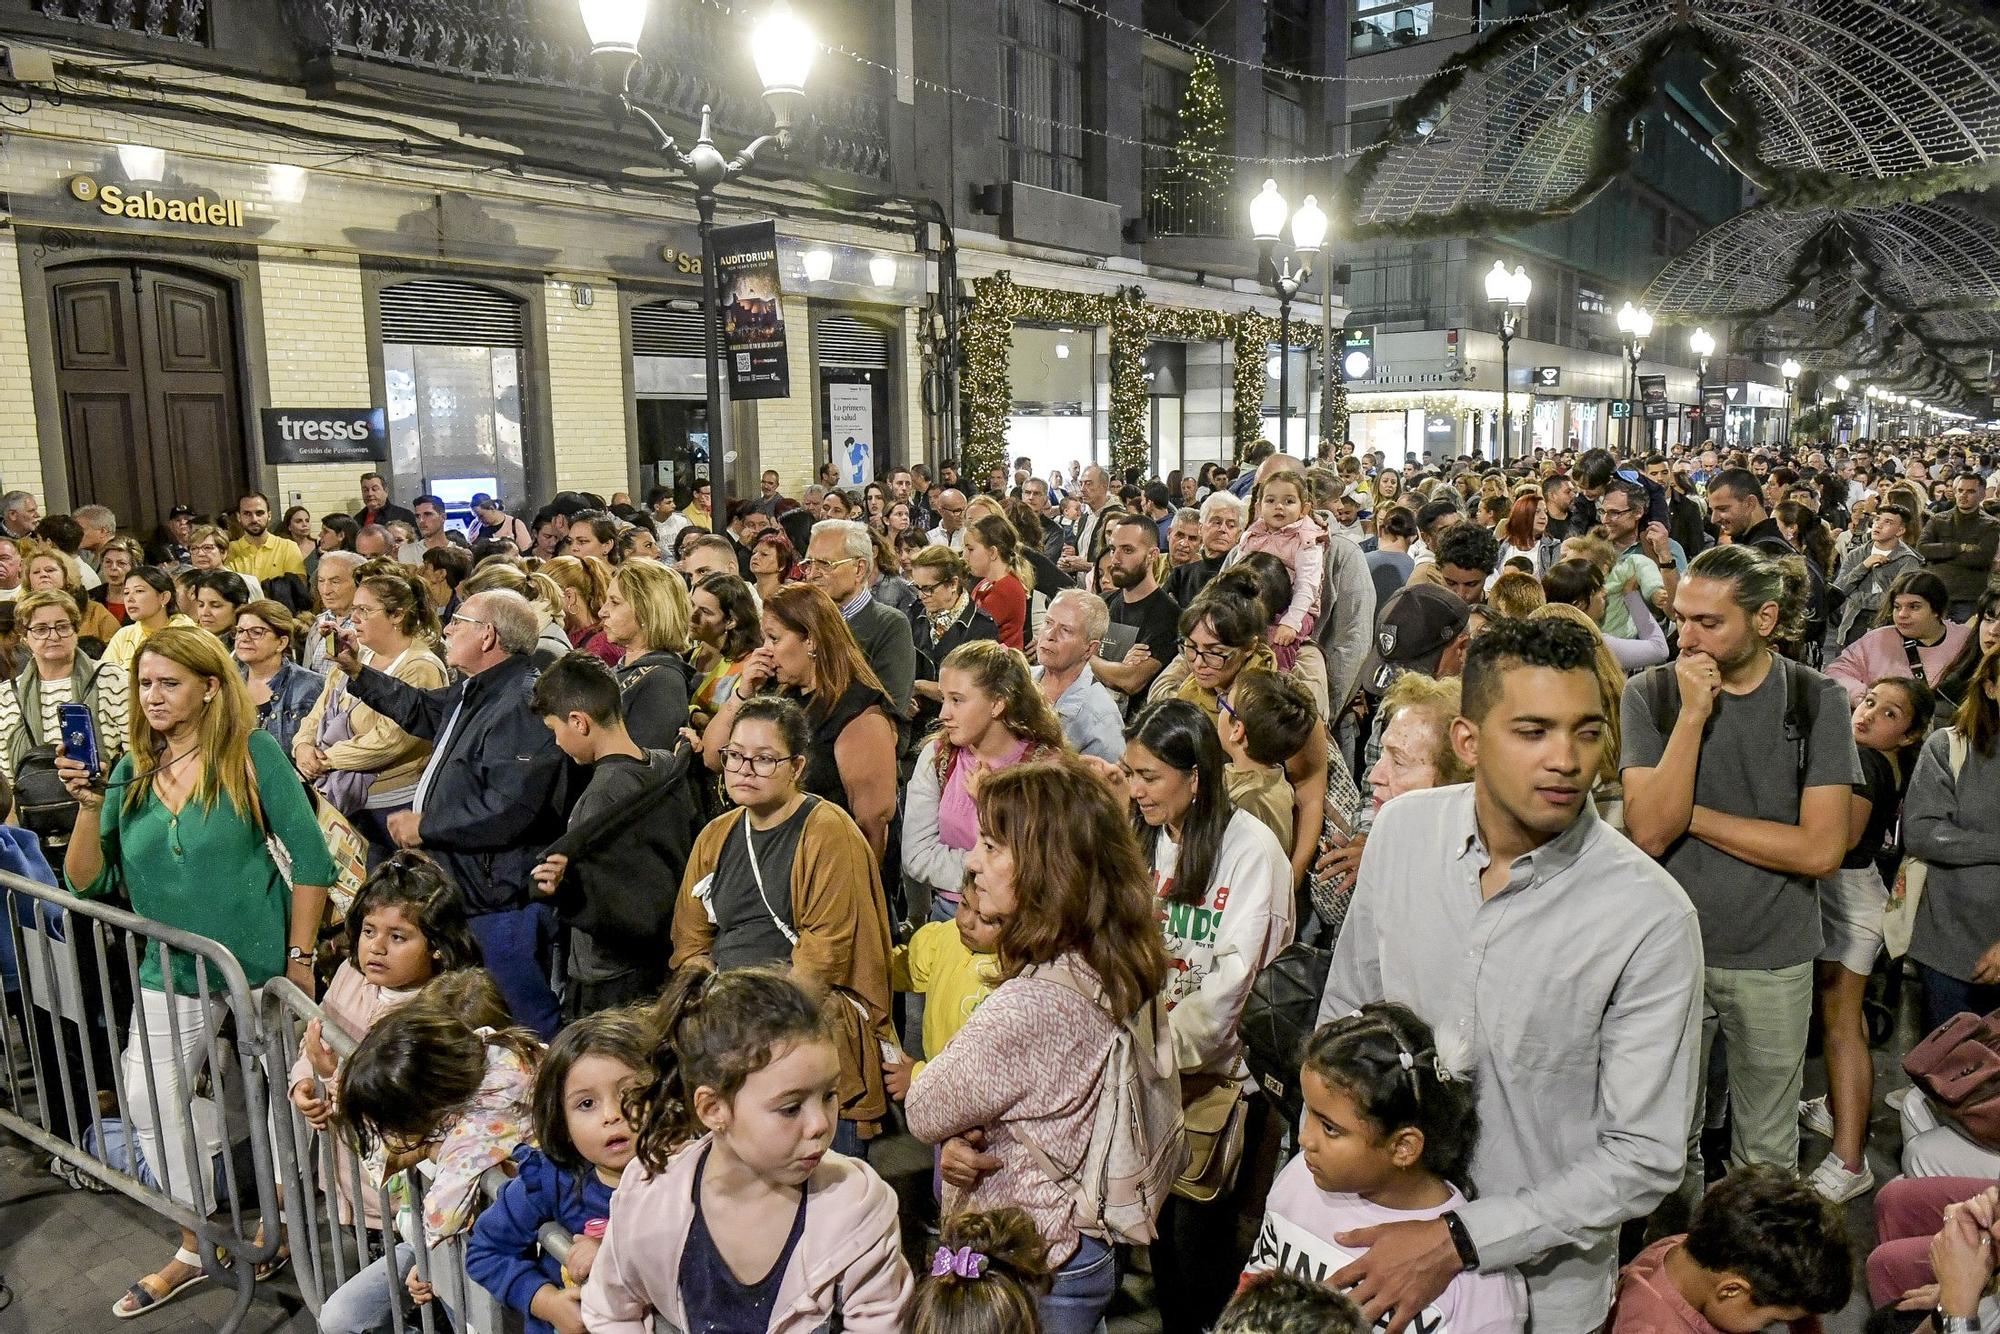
{"x": 360, "y": 761}
{"x": 787, "y": 878}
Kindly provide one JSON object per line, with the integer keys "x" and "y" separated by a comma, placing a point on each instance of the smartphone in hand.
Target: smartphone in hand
{"x": 79, "y": 736}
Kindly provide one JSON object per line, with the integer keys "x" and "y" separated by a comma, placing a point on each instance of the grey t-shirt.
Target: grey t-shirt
{"x": 745, "y": 935}
{"x": 1750, "y": 917}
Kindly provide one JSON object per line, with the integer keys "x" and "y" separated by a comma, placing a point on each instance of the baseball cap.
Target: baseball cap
{"x": 1416, "y": 625}
{"x": 181, "y": 512}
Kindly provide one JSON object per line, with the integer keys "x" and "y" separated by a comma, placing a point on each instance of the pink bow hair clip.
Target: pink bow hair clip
{"x": 964, "y": 1262}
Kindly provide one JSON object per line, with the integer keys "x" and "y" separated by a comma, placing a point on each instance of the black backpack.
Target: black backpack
{"x": 41, "y": 802}
{"x": 1281, "y": 1016}
{"x": 1661, "y": 690}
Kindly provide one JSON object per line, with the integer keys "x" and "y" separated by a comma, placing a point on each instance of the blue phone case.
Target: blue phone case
{"x": 79, "y": 734}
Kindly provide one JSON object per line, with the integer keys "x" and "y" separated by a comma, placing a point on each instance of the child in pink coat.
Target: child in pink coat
{"x": 748, "y": 1058}
{"x": 1285, "y": 528}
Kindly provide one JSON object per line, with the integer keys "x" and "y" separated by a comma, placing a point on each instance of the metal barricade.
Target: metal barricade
{"x": 88, "y": 1028}
{"x": 323, "y": 1187}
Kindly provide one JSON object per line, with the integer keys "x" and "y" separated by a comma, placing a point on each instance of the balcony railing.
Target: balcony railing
{"x": 172, "y": 20}
{"x": 694, "y": 56}
{"x": 1175, "y": 207}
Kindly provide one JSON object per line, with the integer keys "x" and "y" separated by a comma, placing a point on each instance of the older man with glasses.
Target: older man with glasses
{"x": 840, "y": 560}
{"x": 486, "y": 804}
{"x": 950, "y": 531}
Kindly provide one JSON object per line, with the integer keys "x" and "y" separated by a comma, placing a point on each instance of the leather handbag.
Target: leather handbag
{"x": 1280, "y": 1017}
{"x": 1213, "y": 1112}
{"x": 1958, "y": 1069}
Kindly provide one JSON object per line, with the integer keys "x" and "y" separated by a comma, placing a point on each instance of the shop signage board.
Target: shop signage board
{"x": 753, "y": 311}
{"x": 1548, "y": 377}
{"x": 850, "y": 429}
{"x": 147, "y": 205}
{"x": 325, "y": 435}
{"x": 1714, "y": 406}
{"x": 1621, "y": 409}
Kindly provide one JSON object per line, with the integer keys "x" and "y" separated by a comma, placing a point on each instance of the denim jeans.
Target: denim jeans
{"x": 1945, "y": 996}
{"x": 1083, "y": 1288}
{"x": 518, "y": 944}
{"x": 361, "y": 1305}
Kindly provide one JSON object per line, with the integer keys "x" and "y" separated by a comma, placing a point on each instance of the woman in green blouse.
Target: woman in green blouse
{"x": 194, "y": 799}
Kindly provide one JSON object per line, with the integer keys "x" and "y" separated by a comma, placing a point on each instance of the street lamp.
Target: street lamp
{"x": 1702, "y": 343}
{"x": 1508, "y": 293}
{"x": 1286, "y": 274}
{"x": 1636, "y": 324}
{"x": 1791, "y": 371}
{"x": 782, "y": 47}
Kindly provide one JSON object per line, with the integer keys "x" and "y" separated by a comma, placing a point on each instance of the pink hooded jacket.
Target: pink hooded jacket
{"x": 1879, "y": 653}
{"x": 851, "y": 1253}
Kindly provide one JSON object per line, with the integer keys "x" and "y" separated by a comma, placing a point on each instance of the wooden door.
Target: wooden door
{"x": 146, "y": 369}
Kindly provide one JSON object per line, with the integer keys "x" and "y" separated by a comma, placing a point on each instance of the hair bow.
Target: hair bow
{"x": 964, "y": 1262}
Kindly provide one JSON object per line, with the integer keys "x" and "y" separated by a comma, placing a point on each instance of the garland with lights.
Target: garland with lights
{"x": 1131, "y": 322}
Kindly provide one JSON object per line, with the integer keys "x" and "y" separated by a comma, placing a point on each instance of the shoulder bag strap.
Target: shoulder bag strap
{"x": 757, "y": 874}
{"x": 1914, "y": 657}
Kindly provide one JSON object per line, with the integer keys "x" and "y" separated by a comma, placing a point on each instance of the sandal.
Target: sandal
{"x": 274, "y": 1266}
{"x": 144, "y": 1300}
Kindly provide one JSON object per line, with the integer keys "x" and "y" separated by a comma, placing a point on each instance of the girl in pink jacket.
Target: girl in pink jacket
{"x": 1915, "y": 640}
{"x": 756, "y": 1225}
{"x": 1285, "y": 527}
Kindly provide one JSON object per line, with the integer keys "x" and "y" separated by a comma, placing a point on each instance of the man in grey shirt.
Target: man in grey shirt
{"x": 1073, "y": 629}
{"x": 1553, "y": 960}
{"x": 1738, "y": 769}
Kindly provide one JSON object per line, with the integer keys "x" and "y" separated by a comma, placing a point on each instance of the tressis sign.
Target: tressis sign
{"x": 145, "y": 205}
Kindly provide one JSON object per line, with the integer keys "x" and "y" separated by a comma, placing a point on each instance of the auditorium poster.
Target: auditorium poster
{"x": 753, "y": 312}
{"x": 850, "y": 430}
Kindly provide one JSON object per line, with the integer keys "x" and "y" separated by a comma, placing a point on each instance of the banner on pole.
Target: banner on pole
{"x": 1653, "y": 394}
{"x": 1714, "y": 406}
{"x": 753, "y": 312}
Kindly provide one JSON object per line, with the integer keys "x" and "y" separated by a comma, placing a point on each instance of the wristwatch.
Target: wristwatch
{"x": 1953, "y": 1324}
{"x": 1461, "y": 1241}
{"x": 297, "y": 955}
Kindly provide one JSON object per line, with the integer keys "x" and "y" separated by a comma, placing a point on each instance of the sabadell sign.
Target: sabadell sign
{"x": 147, "y": 206}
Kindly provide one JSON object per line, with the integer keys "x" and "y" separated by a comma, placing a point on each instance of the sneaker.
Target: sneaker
{"x": 1836, "y": 1184}
{"x": 1900, "y": 1096}
{"x": 1814, "y": 1116}
{"x": 75, "y": 1178}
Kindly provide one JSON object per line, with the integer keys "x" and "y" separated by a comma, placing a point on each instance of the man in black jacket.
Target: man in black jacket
{"x": 493, "y": 794}
{"x": 838, "y": 561}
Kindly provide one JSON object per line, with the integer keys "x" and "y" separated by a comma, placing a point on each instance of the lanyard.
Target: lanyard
{"x": 757, "y": 874}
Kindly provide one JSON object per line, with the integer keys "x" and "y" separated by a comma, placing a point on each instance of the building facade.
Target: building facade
{"x": 221, "y": 212}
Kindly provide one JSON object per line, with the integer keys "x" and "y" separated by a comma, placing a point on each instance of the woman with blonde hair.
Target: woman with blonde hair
{"x": 646, "y": 614}
{"x": 993, "y": 716}
{"x": 581, "y": 582}
{"x": 1417, "y": 752}
{"x": 358, "y": 759}
{"x": 51, "y": 569}
{"x": 58, "y": 672}
{"x": 197, "y": 795}
{"x": 208, "y": 548}
{"x": 811, "y": 656}
{"x": 266, "y": 645}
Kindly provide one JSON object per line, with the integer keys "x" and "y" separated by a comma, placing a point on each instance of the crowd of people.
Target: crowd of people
{"x": 1357, "y": 895}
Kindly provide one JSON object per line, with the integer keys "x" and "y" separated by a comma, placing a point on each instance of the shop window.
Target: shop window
{"x": 1042, "y": 51}
{"x": 453, "y": 357}
{"x": 670, "y": 385}
{"x": 1383, "y": 25}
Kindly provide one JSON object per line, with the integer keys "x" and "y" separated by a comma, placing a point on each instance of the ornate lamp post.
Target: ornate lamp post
{"x": 1507, "y": 293}
{"x": 1635, "y": 324}
{"x": 1702, "y": 343}
{"x": 782, "y": 47}
{"x": 1791, "y": 370}
{"x": 1286, "y": 273}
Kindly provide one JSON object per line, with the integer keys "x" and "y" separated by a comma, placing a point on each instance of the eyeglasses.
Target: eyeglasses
{"x": 761, "y": 765}
{"x": 1222, "y": 703}
{"x": 925, "y": 590}
{"x": 814, "y": 565}
{"x": 1219, "y": 656}
{"x": 60, "y": 630}
{"x": 462, "y": 619}
{"x": 253, "y": 632}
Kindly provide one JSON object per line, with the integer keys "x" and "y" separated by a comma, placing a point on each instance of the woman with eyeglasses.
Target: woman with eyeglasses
{"x": 359, "y": 760}
{"x": 51, "y": 569}
{"x": 787, "y": 880}
{"x": 56, "y": 674}
{"x": 810, "y": 655}
{"x": 208, "y": 547}
{"x": 946, "y": 617}
{"x": 267, "y": 643}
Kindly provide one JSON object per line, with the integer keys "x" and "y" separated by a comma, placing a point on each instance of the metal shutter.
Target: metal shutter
{"x": 441, "y": 311}
{"x": 658, "y": 330}
{"x": 845, "y": 343}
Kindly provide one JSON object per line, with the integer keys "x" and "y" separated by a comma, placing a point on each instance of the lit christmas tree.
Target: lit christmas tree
{"x": 1198, "y": 165}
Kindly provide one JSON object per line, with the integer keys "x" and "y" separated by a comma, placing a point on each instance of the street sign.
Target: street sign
{"x": 1714, "y": 407}
{"x": 1621, "y": 409}
{"x": 1547, "y": 377}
